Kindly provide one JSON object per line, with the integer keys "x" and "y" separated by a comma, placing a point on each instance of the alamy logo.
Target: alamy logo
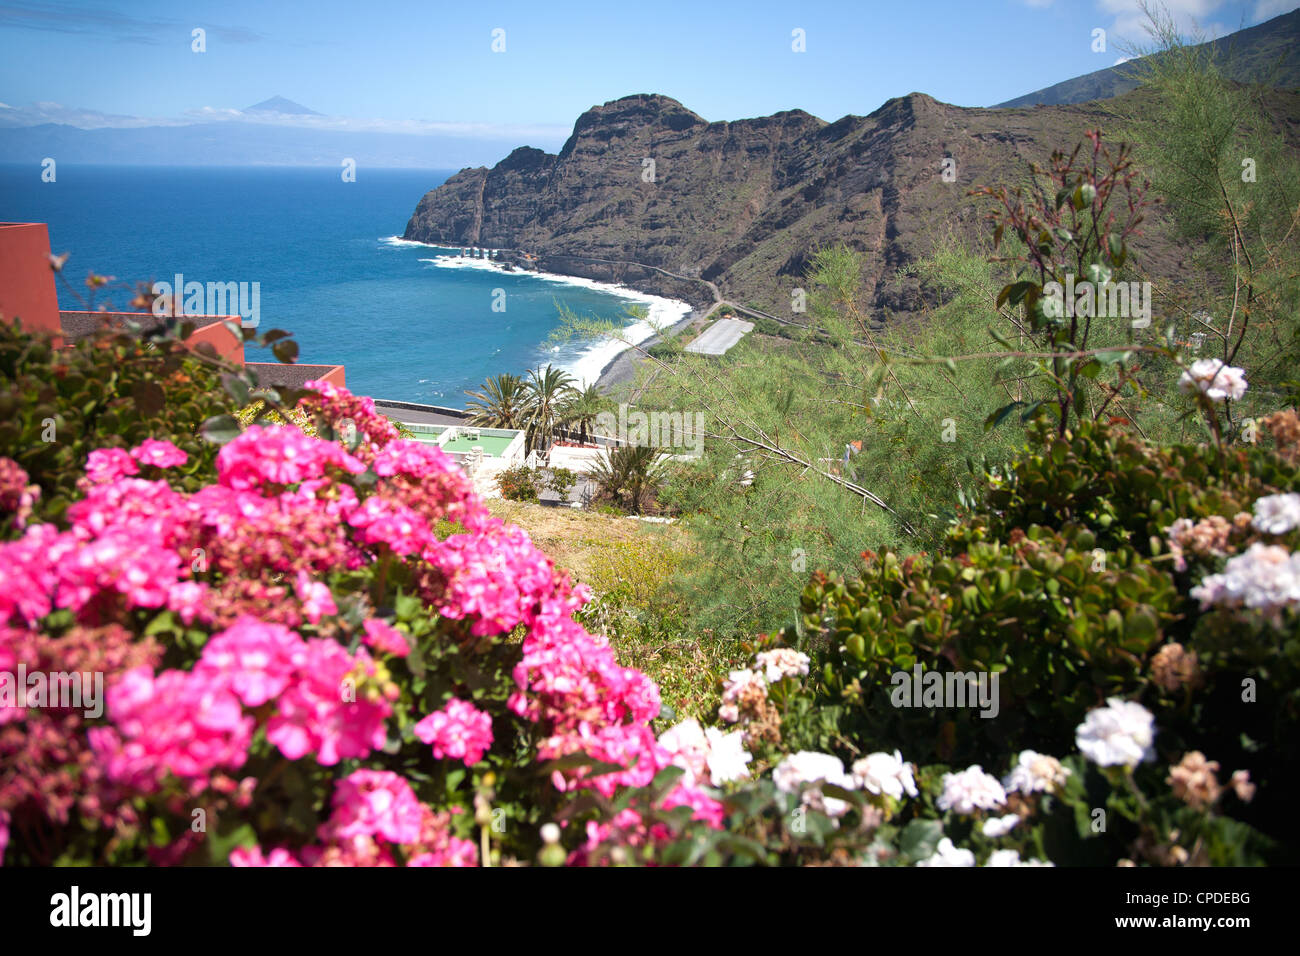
{"x": 667, "y": 430}
{"x": 72, "y": 909}
{"x": 215, "y": 298}
{"x": 67, "y": 690}
{"x": 953, "y": 689}
{"x": 1099, "y": 298}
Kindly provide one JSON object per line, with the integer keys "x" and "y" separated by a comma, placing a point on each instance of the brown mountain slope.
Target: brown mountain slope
{"x": 745, "y": 203}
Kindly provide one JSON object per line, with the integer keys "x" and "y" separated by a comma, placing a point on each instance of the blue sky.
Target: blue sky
{"x": 429, "y": 65}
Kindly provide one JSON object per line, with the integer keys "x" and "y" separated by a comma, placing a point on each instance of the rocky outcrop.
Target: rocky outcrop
{"x": 746, "y": 203}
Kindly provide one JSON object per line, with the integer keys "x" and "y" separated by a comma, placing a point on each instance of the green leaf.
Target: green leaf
{"x": 149, "y": 398}
{"x": 743, "y": 846}
{"x": 1031, "y": 411}
{"x": 998, "y": 417}
{"x": 285, "y": 351}
{"x": 1118, "y": 251}
{"x": 163, "y": 622}
{"x": 236, "y": 388}
{"x": 1015, "y": 292}
{"x": 665, "y": 778}
{"x": 920, "y": 839}
{"x": 1001, "y": 339}
{"x": 221, "y": 844}
{"x": 220, "y": 429}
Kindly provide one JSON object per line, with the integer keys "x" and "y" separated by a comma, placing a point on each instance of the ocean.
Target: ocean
{"x": 411, "y": 322}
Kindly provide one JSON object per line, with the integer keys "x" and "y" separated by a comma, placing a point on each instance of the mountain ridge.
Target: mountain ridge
{"x": 744, "y": 203}
{"x": 1246, "y": 55}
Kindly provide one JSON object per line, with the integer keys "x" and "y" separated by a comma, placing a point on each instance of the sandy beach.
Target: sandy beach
{"x": 621, "y": 369}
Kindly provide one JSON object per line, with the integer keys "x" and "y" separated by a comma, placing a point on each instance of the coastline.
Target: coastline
{"x": 621, "y": 369}
{"x": 599, "y": 359}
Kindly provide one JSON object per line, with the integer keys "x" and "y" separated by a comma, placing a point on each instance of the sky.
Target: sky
{"x": 430, "y": 66}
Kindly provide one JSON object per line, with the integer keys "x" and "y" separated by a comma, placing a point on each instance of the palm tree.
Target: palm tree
{"x": 628, "y": 476}
{"x": 583, "y": 409}
{"x": 503, "y": 403}
{"x": 549, "y": 391}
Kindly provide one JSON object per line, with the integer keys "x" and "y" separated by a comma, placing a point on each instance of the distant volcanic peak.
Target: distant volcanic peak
{"x": 278, "y": 104}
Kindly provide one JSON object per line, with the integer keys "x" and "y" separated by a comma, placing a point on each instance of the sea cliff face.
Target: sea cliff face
{"x": 643, "y": 180}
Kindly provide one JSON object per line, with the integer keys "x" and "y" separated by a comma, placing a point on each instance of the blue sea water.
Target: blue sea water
{"x": 330, "y": 267}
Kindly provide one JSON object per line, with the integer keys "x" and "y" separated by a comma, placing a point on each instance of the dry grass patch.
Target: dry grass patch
{"x": 580, "y": 541}
{"x": 631, "y": 567}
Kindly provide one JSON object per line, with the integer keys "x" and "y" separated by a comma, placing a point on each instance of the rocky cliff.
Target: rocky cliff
{"x": 744, "y": 204}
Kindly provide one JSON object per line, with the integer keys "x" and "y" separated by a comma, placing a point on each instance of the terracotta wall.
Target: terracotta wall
{"x": 27, "y": 289}
{"x": 213, "y": 329}
{"x": 228, "y": 343}
{"x": 277, "y": 373}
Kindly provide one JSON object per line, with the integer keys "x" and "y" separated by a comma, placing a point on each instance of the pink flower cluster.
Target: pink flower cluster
{"x": 497, "y": 577}
{"x": 192, "y": 723}
{"x": 374, "y": 811}
{"x": 252, "y": 559}
{"x": 344, "y": 411}
{"x": 174, "y": 723}
{"x": 460, "y": 731}
{"x": 109, "y": 464}
{"x": 49, "y": 766}
{"x": 17, "y": 497}
{"x": 279, "y": 456}
{"x": 383, "y": 637}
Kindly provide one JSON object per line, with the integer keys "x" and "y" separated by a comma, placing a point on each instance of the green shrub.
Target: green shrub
{"x": 633, "y": 604}
{"x": 520, "y": 483}
{"x": 56, "y": 405}
{"x": 1064, "y": 585}
{"x": 561, "y": 481}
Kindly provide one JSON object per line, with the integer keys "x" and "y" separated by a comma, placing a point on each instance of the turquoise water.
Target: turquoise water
{"x": 329, "y": 268}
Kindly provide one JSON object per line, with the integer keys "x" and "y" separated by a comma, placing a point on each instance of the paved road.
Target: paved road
{"x": 720, "y": 336}
{"x": 421, "y": 415}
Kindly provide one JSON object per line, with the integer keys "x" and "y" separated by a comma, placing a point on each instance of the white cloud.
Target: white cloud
{"x": 1268, "y": 9}
{"x": 43, "y": 112}
{"x": 48, "y": 112}
{"x": 353, "y": 124}
{"x": 1130, "y": 22}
